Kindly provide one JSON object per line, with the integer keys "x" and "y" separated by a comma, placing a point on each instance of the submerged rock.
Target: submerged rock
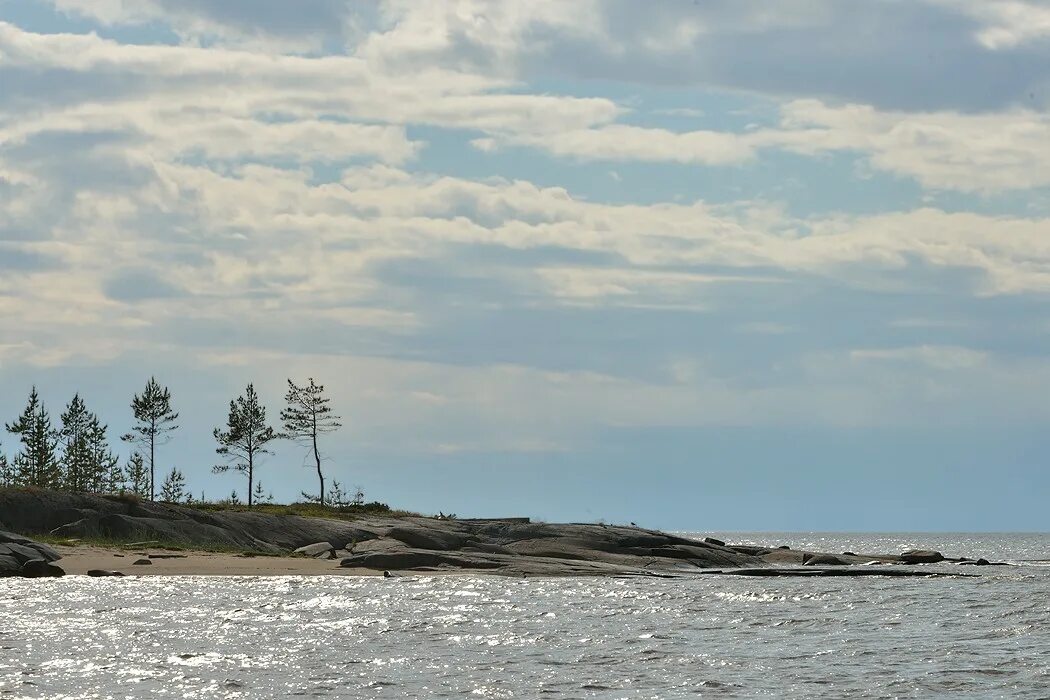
{"x": 100, "y": 573}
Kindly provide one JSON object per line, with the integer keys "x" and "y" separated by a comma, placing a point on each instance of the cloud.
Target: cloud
{"x": 893, "y": 55}
{"x": 272, "y": 24}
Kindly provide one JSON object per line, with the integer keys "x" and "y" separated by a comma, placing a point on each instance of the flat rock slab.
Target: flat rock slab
{"x": 844, "y": 571}
{"x": 317, "y": 549}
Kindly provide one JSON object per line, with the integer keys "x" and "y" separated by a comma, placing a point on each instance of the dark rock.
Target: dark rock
{"x": 167, "y": 556}
{"x": 9, "y": 566}
{"x": 783, "y": 546}
{"x": 920, "y": 556}
{"x": 317, "y": 550}
{"x": 712, "y": 540}
{"x": 142, "y": 562}
{"x": 38, "y": 550}
{"x": 849, "y": 554}
{"x": 41, "y": 568}
{"x": 824, "y": 560}
{"x": 99, "y": 573}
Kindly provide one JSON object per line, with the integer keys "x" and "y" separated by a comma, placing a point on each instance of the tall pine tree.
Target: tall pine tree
{"x": 37, "y": 463}
{"x": 306, "y": 416}
{"x": 106, "y": 474}
{"x": 156, "y": 419}
{"x": 245, "y": 438}
{"x": 77, "y": 466}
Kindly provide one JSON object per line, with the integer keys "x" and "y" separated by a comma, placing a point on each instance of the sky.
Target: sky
{"x": 704, "y": 265}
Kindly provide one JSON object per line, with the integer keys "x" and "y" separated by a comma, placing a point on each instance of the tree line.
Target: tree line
{"x": 76, "y": 455}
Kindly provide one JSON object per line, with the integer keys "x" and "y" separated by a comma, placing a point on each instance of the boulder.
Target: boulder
{"x": 39, "y": 568}
{"x": 920, "y": 556}
{"x": 712, "y": 540}
{"x": 38, "y": 550}
{"x": 100, "y": 573}
{"x": 319, "y": 550}
{"x": 824, "y": 560}
{"x": 9, "y": 566}
{"x": 142, "y": 562}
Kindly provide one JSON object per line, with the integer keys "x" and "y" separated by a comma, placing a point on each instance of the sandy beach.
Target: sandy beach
{"x": 78, "y": 560}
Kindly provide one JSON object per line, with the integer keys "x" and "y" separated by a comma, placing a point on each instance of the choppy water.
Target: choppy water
{"x": 197, "y": 637}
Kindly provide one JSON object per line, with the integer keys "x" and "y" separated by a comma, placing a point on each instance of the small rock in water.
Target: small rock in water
{"x": 921, "y": 556}
{"x": 142, "y": 562}
{"x": 99, "y": 573}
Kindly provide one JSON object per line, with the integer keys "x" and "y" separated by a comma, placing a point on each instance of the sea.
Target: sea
{"x": 985, "y": 636}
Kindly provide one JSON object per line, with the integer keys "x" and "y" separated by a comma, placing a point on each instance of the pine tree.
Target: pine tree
{"x": 116, "y": 478}
{"x": 37, "y": 463}
{"x": 105, "y": 465}
{"x": 76, "y": 451}
{"x": 137, "y": 476}
{"x": 306, "y": 416}
{"x": 7, "y": 474}
{"x": 174, "y": 488}
{"x": 156, "y": 419}
{"x": 246, "y": 437}
{"x": 87, "y": 460}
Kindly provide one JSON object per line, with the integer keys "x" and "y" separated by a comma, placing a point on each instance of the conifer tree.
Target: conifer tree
{"x": 36, "y": 464}
{"x": 73, "y": 435}
{"x": 156, "y": 419}
{"x": 245, "y": 438}
{"x": 137, "y": 476}
{"x": 306, "y": 416}
{"x": 116, "y": 478}
{"x": 7, "y": 474}
{"x": 174, "y": 488}
{"x": 106, "y": 474}
{"x": 86, "y": 458}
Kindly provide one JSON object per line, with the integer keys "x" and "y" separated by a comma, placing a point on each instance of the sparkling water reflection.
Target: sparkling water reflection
{"x": 198, "y": 637}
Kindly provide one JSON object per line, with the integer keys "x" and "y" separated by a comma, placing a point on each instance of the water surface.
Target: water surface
{"x": 199, "y": 637}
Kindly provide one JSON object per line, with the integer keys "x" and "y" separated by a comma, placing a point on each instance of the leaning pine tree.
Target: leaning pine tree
{"x": 245, "y": 438}
{"x": 155, "y": 418}
{"x": 306, "y": 416}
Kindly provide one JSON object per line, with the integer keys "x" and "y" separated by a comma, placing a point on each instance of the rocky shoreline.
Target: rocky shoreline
{"x": 510, "y": 547}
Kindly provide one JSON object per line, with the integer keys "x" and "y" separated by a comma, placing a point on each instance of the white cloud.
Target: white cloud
{"x": 1005, "y": 23}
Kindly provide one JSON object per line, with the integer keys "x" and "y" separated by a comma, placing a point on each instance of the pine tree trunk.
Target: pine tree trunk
{"x": 250, "y": 475}
{"x": 152, "y": 455}
{"x": 320, "y": 475}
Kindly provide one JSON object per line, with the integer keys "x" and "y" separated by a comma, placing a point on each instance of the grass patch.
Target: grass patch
{"x": 306, "y": 510}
